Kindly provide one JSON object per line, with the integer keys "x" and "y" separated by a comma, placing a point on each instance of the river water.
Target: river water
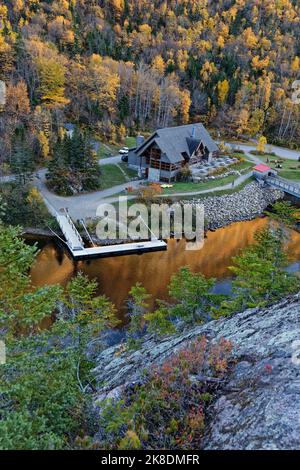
{"x": 116, "y": 275}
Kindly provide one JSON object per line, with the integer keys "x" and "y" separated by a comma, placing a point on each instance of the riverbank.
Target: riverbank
{"x": 219, "y": 211}
{"x": 247, "y": 204}
{"x": 31, "y": 232}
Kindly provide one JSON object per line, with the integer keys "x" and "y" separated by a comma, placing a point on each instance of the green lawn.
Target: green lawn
{"x": 130, "y": 142}
{"x": 244, "y": 165}
{"x": 194, "y": 187}
{"x": 290, "y": 168}
{"x": 293, "y": 175}
{"x": 108, "y": 150}
{"x": 111, "y": 175}
{"x": 220, "y": 192}
{"x": 132, "y": 174}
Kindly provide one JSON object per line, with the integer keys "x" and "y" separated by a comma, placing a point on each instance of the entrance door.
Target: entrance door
{"x": 154, "y": 175}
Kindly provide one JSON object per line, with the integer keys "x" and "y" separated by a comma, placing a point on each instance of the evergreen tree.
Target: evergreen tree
{"x": 260, "y": 274}
{"x": 74, "y": 166}
{"x": 22, "y": 164}
{"x": 46, "y": 378}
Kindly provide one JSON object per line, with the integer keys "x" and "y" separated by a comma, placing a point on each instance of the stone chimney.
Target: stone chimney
{"x": 140, "y": 140}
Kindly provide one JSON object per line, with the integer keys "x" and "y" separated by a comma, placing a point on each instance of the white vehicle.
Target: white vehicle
{"x": 124, "y": 151}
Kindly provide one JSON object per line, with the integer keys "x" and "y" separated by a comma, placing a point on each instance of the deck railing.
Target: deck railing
{"x": 287, "y": 186}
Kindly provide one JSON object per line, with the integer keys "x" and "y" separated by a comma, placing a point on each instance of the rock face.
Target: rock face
{"x": 259, "y": 406}
{"x": 246, "y": 204}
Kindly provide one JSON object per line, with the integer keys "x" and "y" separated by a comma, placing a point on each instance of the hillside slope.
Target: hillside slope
{"x": 258, "y": 407}
{"x": 119, "y": 66}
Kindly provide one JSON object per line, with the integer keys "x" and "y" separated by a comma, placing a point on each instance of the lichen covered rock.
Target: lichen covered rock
{"x": 258, "y": 406}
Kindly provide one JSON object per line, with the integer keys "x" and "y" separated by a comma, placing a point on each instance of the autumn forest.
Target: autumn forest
{"x": 115, "y": 67}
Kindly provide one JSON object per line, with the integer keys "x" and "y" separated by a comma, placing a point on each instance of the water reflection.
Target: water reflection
{"x": 154, "y": 270}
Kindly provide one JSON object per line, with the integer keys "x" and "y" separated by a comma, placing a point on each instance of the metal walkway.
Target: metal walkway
{"x": 73, "y": 239}
{"x": 285, "y": 185}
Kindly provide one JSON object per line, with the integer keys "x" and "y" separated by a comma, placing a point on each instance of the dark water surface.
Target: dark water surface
{"x": 116, "y": 275}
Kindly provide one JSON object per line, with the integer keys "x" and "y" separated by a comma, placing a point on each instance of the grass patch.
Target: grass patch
{"x": 132, "y": 174}
{"x": 220, "y": 192}
{"x": 130, "y": 142}
{"x": 293, "y": 175}
{"x": 111, "y": 150}
{"x": 244, "y": 165}
{"x": 106, "y": 151}
{"x": 194, "y": 187}
{"x": 111, "y": 176}
{"x": 290, "y": 168}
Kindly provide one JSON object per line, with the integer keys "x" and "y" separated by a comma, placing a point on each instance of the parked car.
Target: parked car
{"x": 124, "y": 151}
{"x": 124, "y": 158}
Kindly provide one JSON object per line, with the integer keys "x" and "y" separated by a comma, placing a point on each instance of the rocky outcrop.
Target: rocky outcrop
{"x": 259, "y": 406}
{"x": 246, "y": 204}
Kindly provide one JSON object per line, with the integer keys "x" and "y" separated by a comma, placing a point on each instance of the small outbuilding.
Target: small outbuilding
{"x": 70, "y": 129}
{"x": 262, "y": 171}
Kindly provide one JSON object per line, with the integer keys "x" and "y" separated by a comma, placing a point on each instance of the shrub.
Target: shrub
{"x": 169, "y": 410}
{"x": 148, "y": 194}
{"x": 185, "y": 174}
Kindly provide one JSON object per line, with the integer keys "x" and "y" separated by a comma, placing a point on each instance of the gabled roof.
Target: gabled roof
{"x": 261, "y": 168}
{"x": 193, "y": 144}
{"x": 69, "y": 126}
{"x": 175, "y": 141}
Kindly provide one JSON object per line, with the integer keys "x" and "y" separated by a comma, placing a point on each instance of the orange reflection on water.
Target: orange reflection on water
{"x": 117, "y": 275}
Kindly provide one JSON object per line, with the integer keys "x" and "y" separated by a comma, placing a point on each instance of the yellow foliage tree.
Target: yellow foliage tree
{"x": 158, "y": 64}
{"x": 260, "y": 64}
{"x": 295, "y": 65}
{"x": 223, "y": 90}
{"x": 185, "y": 106}
{"x": 34, "y": 197}
{"x": 207, "y": 70}
{"x": 261, "y": 144}
{"x": 44, "y": 145}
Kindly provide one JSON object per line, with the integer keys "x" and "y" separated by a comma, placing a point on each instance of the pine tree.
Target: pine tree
{"x": 74, "y": 166}
{"x": 22, "y": 164}
{"x": 260, "y": 274}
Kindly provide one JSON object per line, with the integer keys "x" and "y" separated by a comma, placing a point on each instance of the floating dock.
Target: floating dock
{"x": 119, "y": 250}
{"x": 78, "y": 250}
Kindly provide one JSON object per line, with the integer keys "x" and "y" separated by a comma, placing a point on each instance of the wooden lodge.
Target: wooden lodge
{"x": 167, "y": 150}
